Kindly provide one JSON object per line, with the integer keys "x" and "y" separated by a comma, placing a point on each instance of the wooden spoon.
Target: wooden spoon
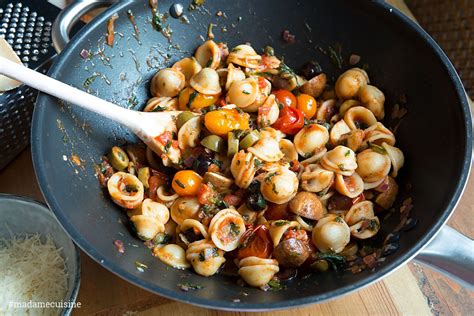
{"x": 146, "y": 125}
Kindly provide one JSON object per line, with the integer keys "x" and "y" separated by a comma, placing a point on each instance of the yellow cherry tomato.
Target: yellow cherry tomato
{"x": 186, "y": 183}
{"x": 190, "y": 99}
{"x": 306, "y": 104}
{"x": 223, "y": 121}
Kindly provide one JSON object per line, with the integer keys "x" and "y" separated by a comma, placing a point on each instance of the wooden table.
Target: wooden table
{"x": 411, "y": 290}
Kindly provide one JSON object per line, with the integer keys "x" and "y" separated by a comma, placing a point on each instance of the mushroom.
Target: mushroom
{"x": 308, "y": 205}
{"x": 315, "y": 86}
{"x": 291, "y": 252}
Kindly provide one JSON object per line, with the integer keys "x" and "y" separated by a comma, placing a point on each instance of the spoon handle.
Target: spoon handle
{"x": 128, "y": 118}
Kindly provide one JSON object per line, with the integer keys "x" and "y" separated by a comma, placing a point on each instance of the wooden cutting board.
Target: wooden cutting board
{"x": 410, "y": 290}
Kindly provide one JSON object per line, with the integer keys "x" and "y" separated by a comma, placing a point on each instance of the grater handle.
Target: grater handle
{"x": 68, "y": 17}
{"x": 128, "y": 118}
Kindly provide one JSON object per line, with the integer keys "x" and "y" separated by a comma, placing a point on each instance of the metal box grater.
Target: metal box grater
{"x": 26, "y": 25}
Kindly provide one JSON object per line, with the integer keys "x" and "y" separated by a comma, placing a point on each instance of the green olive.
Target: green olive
{"x": 232, "y": 144}
{"x": 144, "y": 176}
{"x": 118, "y": 158}
{"x": 183, "y": 118}
{"x": 250, "y": 139}
{"x": 320, "y": 265}
{"x": 213, "y": 142}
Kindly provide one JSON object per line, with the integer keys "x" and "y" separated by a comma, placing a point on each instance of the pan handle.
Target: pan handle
{"x": 452, "y": 254}
{"x": 68, "y": 17}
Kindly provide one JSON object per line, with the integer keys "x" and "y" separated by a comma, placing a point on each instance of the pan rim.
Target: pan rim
{"x": 88, "y": 248}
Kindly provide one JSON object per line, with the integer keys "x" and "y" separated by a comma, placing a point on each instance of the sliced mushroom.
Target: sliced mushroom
{"x": 315, "y": 86}
{"x": 316, "y": 179}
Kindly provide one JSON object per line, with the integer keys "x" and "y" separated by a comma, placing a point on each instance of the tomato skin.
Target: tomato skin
{"x": 277, "y": 211}
{"x": 256, "y": 242}
{"x": 232, "y": 200}
{"x": 223, "y": 121}
{"x": 154, "y": 182}
{"x": 307, "y": 104}
{"x": 291, "y": 120}
{"x": 206, "y": 195}
{"x": 186, "y": 183}
{"x": 285, "y": 97}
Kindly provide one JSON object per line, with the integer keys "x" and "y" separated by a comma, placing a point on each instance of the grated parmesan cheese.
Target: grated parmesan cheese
{"x": 31, "y": 270}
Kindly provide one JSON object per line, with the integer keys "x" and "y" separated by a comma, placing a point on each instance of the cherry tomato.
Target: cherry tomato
{"x": 190, "y": 99}
{"x": 232, "y": 200}
{"x": 277, "y": 211}
{"x": 206, "y": 195}
{"x": 186, "y": 183}
{"x": 291, "y": 120}
{"x": 256, "y": 242}
{"x": 223, "y": 121}
{"x": 154, "y": 182}
{"x": 165, "y": 138}
{"x": 285, "y": 97}
{"x": 307, "y": 104}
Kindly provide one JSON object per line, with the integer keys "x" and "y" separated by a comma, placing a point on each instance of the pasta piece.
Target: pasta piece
{"x": 337, "y": 131}
{"x": 243, "y": 93}
{"x": 359, "y": 117}
{"x": 331, "y": 233}
{"x": 358, "y": 212}
{"x": 396, "y": 157}
{"x": 349, "y": 83}
{"x": 126, "y": 190}
{"x": 184, "y": 208}
{"x": 158, "y": 104}
{"x": 372, "y": 166}
{"x": 198, "y": 227}
{"x": 268, "y": 112}
{"x": 346, "y": 105}
{"x": 389, "y": 191}
{"x": 256, "y": 271}
{"x": 206, "y": 82}
{"x": 378, "y": 134}
{"x": 315, "y": 158}
{"x": 288, "y": 149}
{"x": 243, "y": 169}
{"x": 188, "y": 134}
{"x": 165, "y": 197}
{"x": 146, "y": 227}
{"x": 189, "y": 66}
{"x": 167, "y": 82}
{"x": 267, "y": 149}
{"x": 226, "y": 228}
{"x": 172, "y": 255}
{"x": 350, "y": 186}
{"x": 279, "y": 186}
{"x": 311, "y": 139}
{"x": 278, "y": 228}
{"x": 316, "y": 179}
{"x": 153, "y": 209}
{"x": 245, "y": 56}
{"x": 341, "y": 160}
{"x": 373, "y": 99}
{"x": 366, "y": 228}
{"x": 371, "y": 185}
{"x": 205, "y": 257}
{"x": 208, "y": 54}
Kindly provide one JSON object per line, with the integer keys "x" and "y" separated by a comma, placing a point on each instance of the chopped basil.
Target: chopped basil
{"x": 131, "y": 188}
{"x": 378, "y": 149}
{"x": 336, "y": 261}
{"x": 373, "y": 225}
{"x": 347, "y": 153}
{"x": 275, "y": 285}
{"x": 217, "y": 162}
{"x": 202, "y": 257}
{"x": 180, "y": 184}
{"x": 234, "y": 229}
{"x": 211, "y": 60}
{"x": 192, "y": 97}
{"x": 161, "y": 239}
{"x": 339, "y": 219}
{"x": 274, "y": 188}
{"x": 257, "y": 163}
{"x": 167, "y": 147}
{"x": 268, "y": 178}
{"x": 341, "y": 167}
{"x": 280, "y": 222}
{"x": 245, "y": 92}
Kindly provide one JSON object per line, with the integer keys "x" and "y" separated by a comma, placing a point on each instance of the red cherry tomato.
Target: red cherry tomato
{"x": 206, "y": 195}
{"x": 256, "y": 242}
{"x": 232, "y": 200}
{"x": 285, "y": 97}
{"x": 291, "y": 120}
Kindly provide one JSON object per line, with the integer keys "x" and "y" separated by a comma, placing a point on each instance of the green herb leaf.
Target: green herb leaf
{"x": 180, "y": 184}
{"x": 347, "y": 153}
{"x": 234, "y": 229}
{"x": 336, "y": 261}
{"x": 378, "y": 149}
{"x": 275, "y": 285}
{"x": 257, "y": 163}
{"x": 245, "y": 92}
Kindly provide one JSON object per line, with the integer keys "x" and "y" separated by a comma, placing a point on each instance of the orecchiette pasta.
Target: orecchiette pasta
{"x": 267, "y": 168}
{"x": 173, "y": 255}
{"x": 226, "y": 228}
{"x": 125, "y": 190}
{"x": 257, "y": 271}
{"x": 311, "y": 139}
{"x": 205, "y": 257}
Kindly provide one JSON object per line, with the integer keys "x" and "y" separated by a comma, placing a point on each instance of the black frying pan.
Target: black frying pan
{"x": 435, "y": 135}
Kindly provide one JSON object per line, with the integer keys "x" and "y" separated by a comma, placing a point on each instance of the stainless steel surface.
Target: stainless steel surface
{"x": 451, "y": 253}
{"x": 69, "y": 16}
{"x": 28, "y": 31}
{"x": 23, "y": 216}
